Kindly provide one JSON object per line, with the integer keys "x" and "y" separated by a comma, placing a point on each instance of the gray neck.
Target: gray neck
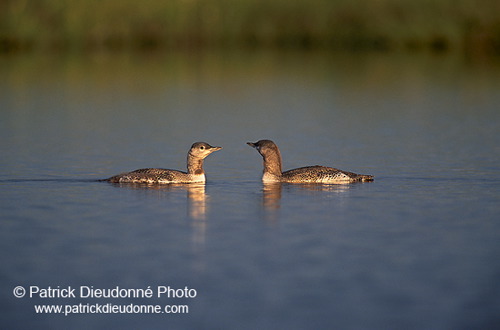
{"x": 194, "y": 164}
{"x": 272, "y": 163}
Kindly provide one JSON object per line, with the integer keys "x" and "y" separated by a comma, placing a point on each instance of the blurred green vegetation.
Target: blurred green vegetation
{"x": 470, "y": 25}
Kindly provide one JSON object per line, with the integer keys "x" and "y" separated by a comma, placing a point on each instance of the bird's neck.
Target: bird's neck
{"x": 194, "y": 165}
{"x": 272, "y": 164}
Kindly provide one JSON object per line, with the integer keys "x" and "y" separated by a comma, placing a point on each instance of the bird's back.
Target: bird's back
{"x": 323, "y": 174}
{"x": 152, "y": 175}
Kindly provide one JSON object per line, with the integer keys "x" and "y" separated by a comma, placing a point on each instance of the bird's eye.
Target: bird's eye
{"x": 202, "y": 148}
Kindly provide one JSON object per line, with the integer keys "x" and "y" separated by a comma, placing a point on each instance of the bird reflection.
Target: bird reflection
{"x": 314, "y": 187}
{"x": 271, "y": 201}
{"x": 272, "y": 193}
{"x": 196, "y": 204}
{"x": 197, "y": 211}
{"x": 196, "y": 197}
{"x": 197, "y": 201}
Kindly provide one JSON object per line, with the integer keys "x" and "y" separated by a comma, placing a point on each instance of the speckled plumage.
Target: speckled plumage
{"x": 309, "y": 174}
{"x": 195, "y": 173}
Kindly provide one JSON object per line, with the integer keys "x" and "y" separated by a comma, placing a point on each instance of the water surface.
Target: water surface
{"x": 417, "y": 249}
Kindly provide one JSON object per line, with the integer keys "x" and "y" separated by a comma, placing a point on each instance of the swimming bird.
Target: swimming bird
{"x": 309, "y": 174}
{"x": 198, "y": 152}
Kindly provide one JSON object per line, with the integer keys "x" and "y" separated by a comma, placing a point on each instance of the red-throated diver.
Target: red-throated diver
{"x": 309, "y": 174}
{"x": 195, "y": 173}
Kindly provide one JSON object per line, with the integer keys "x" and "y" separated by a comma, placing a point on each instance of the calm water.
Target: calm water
{"x": 416, "y": 249}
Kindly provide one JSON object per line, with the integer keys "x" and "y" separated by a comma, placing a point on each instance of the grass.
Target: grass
{"x": 468, "y": 25}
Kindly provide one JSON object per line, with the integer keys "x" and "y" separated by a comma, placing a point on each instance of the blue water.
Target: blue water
{"x": 415, "y": 249}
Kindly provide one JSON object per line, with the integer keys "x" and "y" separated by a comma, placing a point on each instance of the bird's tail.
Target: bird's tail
{"x": 365, "y": 178}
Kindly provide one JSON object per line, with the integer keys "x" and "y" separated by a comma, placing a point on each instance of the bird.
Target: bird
{"x": 309, "y": 174}
{"x": 195, "y": 174}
